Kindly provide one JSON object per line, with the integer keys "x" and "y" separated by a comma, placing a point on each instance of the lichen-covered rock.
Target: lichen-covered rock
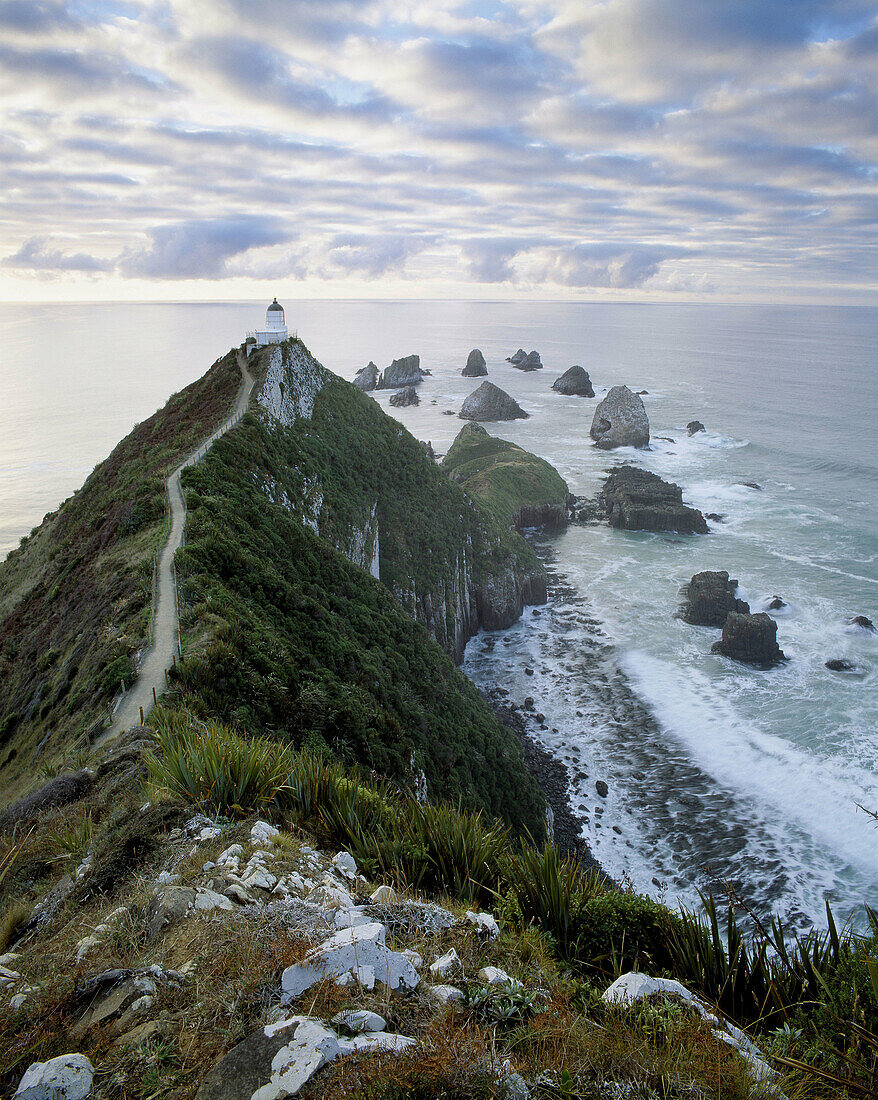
{"x": 475, "y": 365}
{"x": 489, "y": 402}
{"x": 67, "y": 1077}
{"x": 574, "y": 382}
{"x": 348, "y": 953}
{"x": 637, "y": 500}
{"x": 402, "y": 398}
{"x": 367, "y": 378}
{"x": 401, "y": 372}
{"x": 167, "y": 907}
{"x": 709, "y": 597}
{"x": 751, "y": 639}
{"x": 620, "y": 420}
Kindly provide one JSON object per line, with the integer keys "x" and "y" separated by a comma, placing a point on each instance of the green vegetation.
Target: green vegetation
{"x": 75, "y": 596}
{"x": 510, "y": 484}
{"x": 288, "y": 639}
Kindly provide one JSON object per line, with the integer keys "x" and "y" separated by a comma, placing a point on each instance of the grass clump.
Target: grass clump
{"x": 209, "y": 765}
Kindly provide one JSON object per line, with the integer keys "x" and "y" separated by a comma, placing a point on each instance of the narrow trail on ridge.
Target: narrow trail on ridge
{"x": 158, "y": 658}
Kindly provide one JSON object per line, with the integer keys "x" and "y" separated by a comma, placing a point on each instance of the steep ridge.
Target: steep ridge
{"x": 75, "y": 597}
{"x": 286, "y": 629}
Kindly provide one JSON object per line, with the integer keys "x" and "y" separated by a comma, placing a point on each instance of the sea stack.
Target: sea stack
{"x": 402, "y": 372}
{"x": 489, "y": 402}
{"x": 750, "y": 639}
{"x": 620, "y": 420}
{"x": 574, "y": 383}
{"x": 709, "y": 598}
{"x": 475, "y": 365}
{"x": 407, "y": 396}
{"x": 367, "y": 378}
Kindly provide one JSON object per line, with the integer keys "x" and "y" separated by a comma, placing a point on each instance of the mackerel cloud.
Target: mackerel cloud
{"x": 660, "y": 146}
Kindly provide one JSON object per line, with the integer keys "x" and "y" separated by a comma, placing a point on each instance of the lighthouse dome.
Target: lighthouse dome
{"x": 274, "y": 307}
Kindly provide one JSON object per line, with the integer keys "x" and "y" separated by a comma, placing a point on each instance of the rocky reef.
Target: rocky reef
{"x": 574, "y": 382}
{"x": 637, "y": 500}
{"x": 750, "y": 639}
{"x": 489, "y": 402}
{"x": 709, "y": 597}
{"x": 620, "y": 420}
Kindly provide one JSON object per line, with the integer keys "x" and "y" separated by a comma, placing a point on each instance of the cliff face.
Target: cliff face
{"x": 363, "y": 483}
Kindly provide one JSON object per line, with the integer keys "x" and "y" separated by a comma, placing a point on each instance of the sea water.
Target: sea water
{"x": 717, "y": 773}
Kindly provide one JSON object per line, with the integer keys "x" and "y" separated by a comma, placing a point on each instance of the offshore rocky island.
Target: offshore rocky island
{"x": 323, "y": 864}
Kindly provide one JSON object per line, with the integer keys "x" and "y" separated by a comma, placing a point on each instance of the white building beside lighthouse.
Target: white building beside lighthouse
{"x": 275, "y": 330}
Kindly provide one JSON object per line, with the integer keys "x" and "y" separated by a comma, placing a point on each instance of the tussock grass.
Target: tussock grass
{"x": 209, "y": 765}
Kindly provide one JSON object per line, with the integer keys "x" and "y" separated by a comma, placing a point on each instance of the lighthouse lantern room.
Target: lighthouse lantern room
{"x": 275, "y": 330}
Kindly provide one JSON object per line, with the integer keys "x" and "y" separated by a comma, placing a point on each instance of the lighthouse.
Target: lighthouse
{"x": 275, "y": 330}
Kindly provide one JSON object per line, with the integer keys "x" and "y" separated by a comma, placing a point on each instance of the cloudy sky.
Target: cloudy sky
{"x": 624, "y": 149}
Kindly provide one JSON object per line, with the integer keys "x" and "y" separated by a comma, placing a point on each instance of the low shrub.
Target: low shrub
{"x": 616, "y": 931}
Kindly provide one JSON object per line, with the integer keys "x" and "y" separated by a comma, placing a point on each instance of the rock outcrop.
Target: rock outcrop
{"x": 750, "y": 639}
{"x": 402, "y": 398}
{"x": 695, "y": 426}
{"x": 489, "y": 402}
{"x": 862, "y": 622}
{"x": 709, "y": 598}
{"x": 620, "y": 420}
{"x": 476, "y": 366}
{"x": 67, "y": 1077}
{"x": 526, "y": 360}
{"x": 637, "y": 500}
{"x": 517, "y": 487}
{"x": 574, "y": 382}
{"x": 401, "y": 372}
{"x": 367, "y": 378}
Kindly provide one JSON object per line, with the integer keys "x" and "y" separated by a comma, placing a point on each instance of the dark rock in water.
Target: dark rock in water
{"x": 367, "y": 378}
{"x": 695, "y": 426}
{"x": 751, "y": 485}
{"x": 602, "y": 789}
{"x": 862, "y": 622}
{"x": 574, "y": 383}
{"x": 776, "y": 603}
{"x": 839, "y": 664}
{"x": 475, "y": 365}
{"x": 715, "y": 517}
{"x": 666, "y": 439}
{"x": 620, "y": 420}
{"x": 489, "y": 402}
{"x": 526, "y": 360}
{"x": 448, "y": 412}
{"x": 637, "y": 500}
{"x": 408, "y": 396}
{"x": 751, "y": 639}
{"x": 401, "y": 372}
{"x": 709, "y": 597}
{"x": 643, "y": 393}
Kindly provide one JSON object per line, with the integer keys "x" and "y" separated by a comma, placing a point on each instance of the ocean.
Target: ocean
{"x": 716, "y": 773}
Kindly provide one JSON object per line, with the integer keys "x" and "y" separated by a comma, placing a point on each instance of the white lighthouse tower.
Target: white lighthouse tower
{"x": 275, "y": 330}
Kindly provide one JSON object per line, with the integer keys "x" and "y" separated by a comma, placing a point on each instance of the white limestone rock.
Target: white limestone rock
{"x": 263, "y": 833}
{"x": 484, "y": 922}
{"x": 493, "y": 975}
{"x": 345, "y": 864}
{"x": 444, "y": 994}
{"x": 350, "y": 951}
{"x": 359, "y": 1020}
{"x": 207, "y": 900}
{"x": 447, "y": 964}
{"x": 312, "y": 1047}
{"x": 67, "y": 1077}
{"x": 384, "y": 895}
